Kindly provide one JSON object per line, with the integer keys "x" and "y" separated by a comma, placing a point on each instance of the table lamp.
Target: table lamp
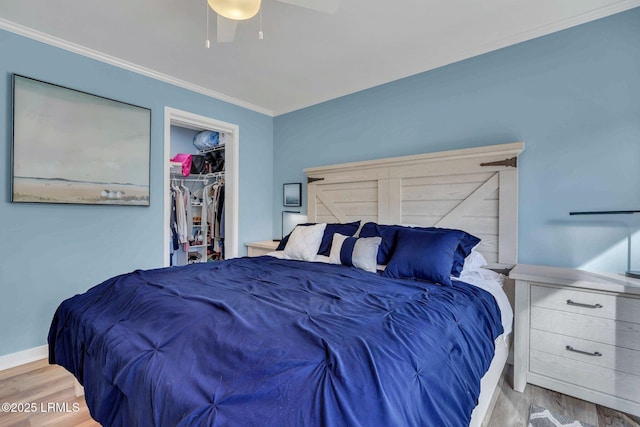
{"x": 629, "y": 273}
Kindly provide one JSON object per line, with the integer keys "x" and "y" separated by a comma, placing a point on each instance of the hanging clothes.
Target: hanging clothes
{"x": 174, "y": 245}
{"x": 203, "y": 239}
{"x": 214, "y": 199}
{"x": 188, "y": 215}
{"x": 200, "y": 197}
{"x": 182, "y": 200}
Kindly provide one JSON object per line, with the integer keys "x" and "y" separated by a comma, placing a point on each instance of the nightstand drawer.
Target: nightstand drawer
{"x": 586, "y": 303}
{"x": 599, "y": 354}
{"x": 578, "y": 333}
{"x": 586, "y": 375}
{"x": 606, "y": 331}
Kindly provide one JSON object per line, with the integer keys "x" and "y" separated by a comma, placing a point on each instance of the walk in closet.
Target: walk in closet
{"x": 197, "y": 196}
{"x": 180, "y": 128}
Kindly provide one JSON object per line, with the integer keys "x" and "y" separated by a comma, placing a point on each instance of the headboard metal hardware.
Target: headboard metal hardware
{"x": 310, "y": 180}
{"x": 512, "y": 162}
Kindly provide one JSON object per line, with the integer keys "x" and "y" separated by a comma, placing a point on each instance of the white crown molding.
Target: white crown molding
{"x": 112, "y": 60}
{"x": 12, "y": 360}
{"x": 603, "y": 12}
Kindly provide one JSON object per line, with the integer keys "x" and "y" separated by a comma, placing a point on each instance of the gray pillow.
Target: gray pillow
{"x": 355, "y": 252}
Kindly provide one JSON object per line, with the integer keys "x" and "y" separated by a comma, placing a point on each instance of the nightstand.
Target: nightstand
{"x": 261, "y": 248}
{"x": 578, "y": 333}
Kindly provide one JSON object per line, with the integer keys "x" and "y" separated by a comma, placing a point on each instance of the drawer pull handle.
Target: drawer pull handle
{"x": 588, "y": 353}
{"x": 579, "y": 304}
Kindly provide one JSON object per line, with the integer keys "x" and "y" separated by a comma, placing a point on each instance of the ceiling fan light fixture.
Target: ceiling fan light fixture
{"x": 236, "y": 9}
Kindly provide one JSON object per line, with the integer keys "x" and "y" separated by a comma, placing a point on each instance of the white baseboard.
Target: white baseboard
{"x": 23, "y": 357}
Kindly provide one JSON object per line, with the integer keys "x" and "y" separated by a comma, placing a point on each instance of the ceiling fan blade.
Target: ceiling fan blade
{"x": 326, "y": 6}
{"x": 226, "y": 31}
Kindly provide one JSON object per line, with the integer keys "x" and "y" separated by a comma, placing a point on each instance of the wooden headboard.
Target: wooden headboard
{"x": 474, "y": 189}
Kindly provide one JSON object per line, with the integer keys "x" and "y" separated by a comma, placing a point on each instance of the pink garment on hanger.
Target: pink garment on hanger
{"x": 185, "y": 159}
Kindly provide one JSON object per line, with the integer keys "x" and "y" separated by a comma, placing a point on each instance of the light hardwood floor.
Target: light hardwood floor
{"x": 41, "y": 383}
{"x": 512, "y": 408}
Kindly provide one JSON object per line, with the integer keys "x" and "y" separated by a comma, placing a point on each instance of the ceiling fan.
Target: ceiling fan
{"x": 231, "y": 11}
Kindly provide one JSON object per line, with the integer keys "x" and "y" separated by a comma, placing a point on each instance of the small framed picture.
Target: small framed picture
{"x": 292, "y": 194}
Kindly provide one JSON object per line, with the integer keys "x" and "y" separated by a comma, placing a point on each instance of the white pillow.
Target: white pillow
{"x": 358, "y": 252}
{"x": 304, "y": 242}
{"x": 473, "y": 261}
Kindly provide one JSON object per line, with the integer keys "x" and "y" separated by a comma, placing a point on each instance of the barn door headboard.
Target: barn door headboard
{"x": 474, "y": 189}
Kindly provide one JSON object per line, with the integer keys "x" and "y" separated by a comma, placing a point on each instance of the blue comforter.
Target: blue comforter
{"x": 268, "y": 342}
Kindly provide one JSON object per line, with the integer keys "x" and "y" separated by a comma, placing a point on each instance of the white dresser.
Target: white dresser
{"x": 578, "y": 333}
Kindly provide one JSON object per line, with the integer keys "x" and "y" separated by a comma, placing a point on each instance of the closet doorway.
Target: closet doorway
{"x": 184, "y": 119}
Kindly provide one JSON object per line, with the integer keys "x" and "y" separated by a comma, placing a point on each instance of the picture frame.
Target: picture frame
{"x": 292, "y": 194}
{"x": 73, "y": 147}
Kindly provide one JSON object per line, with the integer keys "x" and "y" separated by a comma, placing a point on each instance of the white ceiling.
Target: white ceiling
{"x": 306, "y": 57}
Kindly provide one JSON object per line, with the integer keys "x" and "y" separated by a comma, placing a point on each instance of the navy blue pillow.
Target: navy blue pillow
{"x": 423, "y": 255}
{"x": 467, "y": 243}
{"x": 389, "y": 232}
{"x": 348, "y": 229}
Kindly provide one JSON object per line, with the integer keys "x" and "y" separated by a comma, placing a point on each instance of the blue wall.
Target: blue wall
{"x": 182, "y": 141}
{"x": 51, "y": 252}
{"x": 573, "y": 97}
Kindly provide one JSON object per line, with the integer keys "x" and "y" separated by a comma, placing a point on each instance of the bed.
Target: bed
{"x": 290, "y": 342}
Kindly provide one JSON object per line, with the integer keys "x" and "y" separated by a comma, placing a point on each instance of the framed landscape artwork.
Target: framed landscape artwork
{"x": 291, "y": 194}
{"x": 73, "y": 147}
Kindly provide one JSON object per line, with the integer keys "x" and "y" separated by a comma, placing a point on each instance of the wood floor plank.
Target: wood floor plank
{"x": 21, "y": 369}
{"x": 609, "y": 418}
{"x": 34, "y": 386}
{"x": 34, "y": 377}
{"x": 24, "y": 422}
{"x": 42, "y": 384}
{"x": 580, "y": 410}
{"x": 512, "y": 408}
{"x": 8, "y": 419}
{"x": 548, "y": 399}
{"x": 494, "y": 398}
{"x": 509, "y": 409}
{"x": 68, "y": 415}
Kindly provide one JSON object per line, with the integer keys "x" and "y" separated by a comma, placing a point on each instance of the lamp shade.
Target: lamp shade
{"x": 629, "y": 272}
{"x": 289, "y": 221}
{"x": 235, "y": 9}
